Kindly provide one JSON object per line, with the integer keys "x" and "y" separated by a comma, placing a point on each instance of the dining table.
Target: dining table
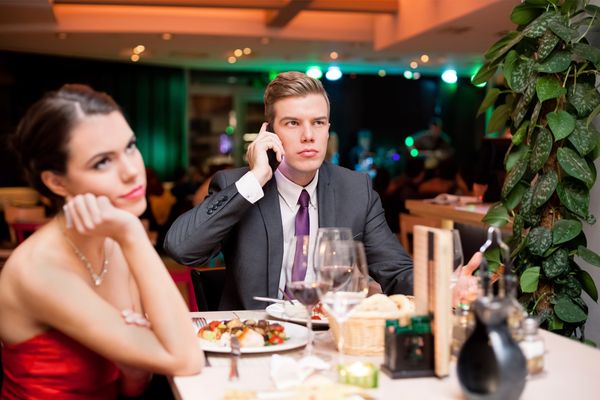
{"x": 570, "y": 372}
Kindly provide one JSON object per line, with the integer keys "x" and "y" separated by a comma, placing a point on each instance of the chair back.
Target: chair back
{"x": 22, "y": 220}
{"x": 407, "y": 223}
{"x": 184, "y": 278}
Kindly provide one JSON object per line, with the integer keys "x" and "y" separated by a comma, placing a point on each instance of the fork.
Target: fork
{"x": 235, "y": 356}
{"x": 200, "y": 322}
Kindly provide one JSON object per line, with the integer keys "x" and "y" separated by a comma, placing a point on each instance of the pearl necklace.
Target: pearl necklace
{"x": 96, "y": 278}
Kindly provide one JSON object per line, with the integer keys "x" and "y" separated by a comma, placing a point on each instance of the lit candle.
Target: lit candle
{"x": 359, "y": 374}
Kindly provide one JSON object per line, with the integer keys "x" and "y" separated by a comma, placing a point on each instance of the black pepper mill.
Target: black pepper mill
{"x": 491, "y": 365}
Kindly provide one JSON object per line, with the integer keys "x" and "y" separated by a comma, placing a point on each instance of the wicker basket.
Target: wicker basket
{"x": 364, "y": 331}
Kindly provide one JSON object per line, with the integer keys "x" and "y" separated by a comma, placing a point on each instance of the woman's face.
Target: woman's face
{"x": 103, "y": 159}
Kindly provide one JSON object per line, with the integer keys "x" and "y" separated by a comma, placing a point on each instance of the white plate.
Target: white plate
{"x": 297, "y": 337}
{"x": 277, "y": 310}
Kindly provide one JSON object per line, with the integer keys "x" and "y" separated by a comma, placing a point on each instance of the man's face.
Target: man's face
{"x": 302, "y": 124}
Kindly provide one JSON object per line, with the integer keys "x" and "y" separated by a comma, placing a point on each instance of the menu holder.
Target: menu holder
{"x": 432, "y": 273}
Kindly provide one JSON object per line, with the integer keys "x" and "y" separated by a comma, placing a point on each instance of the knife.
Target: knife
{"x": 268, "y": 299}
{"x": 235, "y": 356}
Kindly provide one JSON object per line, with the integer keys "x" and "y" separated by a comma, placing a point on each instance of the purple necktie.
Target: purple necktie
{"x": 302, "y": 228}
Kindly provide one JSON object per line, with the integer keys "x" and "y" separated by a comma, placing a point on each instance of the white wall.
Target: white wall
{"x": 592, "y": 232}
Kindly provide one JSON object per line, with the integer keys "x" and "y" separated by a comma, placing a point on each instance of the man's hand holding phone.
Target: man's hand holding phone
{"x": 262, "y": 164}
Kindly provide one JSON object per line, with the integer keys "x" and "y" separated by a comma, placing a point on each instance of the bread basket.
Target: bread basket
{"x": 364, "y": 330}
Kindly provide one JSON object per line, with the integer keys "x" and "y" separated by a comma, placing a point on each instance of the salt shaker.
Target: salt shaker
{"x": 532, "y": 346}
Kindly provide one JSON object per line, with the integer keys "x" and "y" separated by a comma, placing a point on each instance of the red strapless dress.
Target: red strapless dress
{"x": 54, "y": 366}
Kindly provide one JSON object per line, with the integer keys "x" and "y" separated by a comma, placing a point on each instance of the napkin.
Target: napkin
{"x": 287, "y": 372}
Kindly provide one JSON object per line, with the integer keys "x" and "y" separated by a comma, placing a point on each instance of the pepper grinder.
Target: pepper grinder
{"x": 491, "y": 365}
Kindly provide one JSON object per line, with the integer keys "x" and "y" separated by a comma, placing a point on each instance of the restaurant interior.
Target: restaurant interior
{"x": 190, "y": 77}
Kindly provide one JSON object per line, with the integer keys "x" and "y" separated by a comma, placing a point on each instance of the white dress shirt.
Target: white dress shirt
{"x": 289, "y": 192}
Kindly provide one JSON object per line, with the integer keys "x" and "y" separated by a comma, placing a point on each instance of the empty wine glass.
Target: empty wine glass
{"x": 299, "y": 287}
{"x": 329, "y": 233}
{"x": 342, "y": 281}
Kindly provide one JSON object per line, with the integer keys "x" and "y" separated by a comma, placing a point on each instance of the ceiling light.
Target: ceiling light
{"x": 139, "y": 49}
{"x": 409, "y": 141}
{"x": 247, "y": 50}
{"x": 134, "y": 58}
{"x": 166, "y": 36}
{"x": 416, "y": 75}
{"x": 238, "y": 52}
{"x": 381, "y": 73}
{"x": 408, "y": 74}
{"x": 424, "y": 58}
{"x": 231, "y": 60}
{"x": 414, "y": 64}
{"x": 334, "y": 55}
{"x": 414, "y": 152}
{"x": 333, "y": 73}
{"x": 449, "y": 76}
{"x": 314, "y": 72}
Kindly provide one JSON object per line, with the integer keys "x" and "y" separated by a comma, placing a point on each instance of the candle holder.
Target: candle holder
{"x": 365, "y": 375}
{"x": 408, "y": 349}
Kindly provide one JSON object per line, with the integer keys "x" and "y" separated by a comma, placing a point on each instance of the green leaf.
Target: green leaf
{"x": 574, "y": 196}
{"x": 584, "y": 97}
{"x": 492, "y": 256}
{"x": 515, "y": 196}
{"x": 565, "y": 230}
{"x": 558, "y": 62}
{"x": 529, "y": 280}
{"x": 518, "y": 137}
{"x": 587, "y": 52}
{"x": 498, "y": 119}
{"x": 534, "y": 116}
{"x": 537, "y": 28}
{"x": 544, "y": 188}
{"x": 568, "y": 311}
{"x": 548, "y": 87}
{"x": 561, "y": 123}
{"x": 510, "y": 61}
{"x": 497, "y": 215}
{"x": 583, "y": 139}
{"x": 484, "y": 73}
{"x": 593, "y": 9}
{"x": 547, "y": 43}
{"x": 588, "y": 255}
{"x": 512, "y": 157}
{"x": 569, "y": 286}
{"x": 574, "y": 165}
{"x": 569, "y": 6}
{"x": 522, "y": 106}
{"x": 503, "y": 41}
{"x": 540, "y": 240}
{"x": 503, "y": 46}
{"x": 523, "y": 14}
{"x": 562, "y": 30}
{"x": 522, "y": 75}
{"x": 489, "y": 100}
{"x": 592, "y": 115}
{"x": 515, "y": 175}
{"x": 557, "y": 264}
{"x": 542, "y": 146}
{"x": 587, "y": 283}
{"x": 555, "y": 324}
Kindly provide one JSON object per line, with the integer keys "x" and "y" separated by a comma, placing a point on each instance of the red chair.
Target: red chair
{"x": 22, "y": 229}
{"x": 184, "y": 278}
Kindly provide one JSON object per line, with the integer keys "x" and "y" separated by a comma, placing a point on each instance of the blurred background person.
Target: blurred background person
{"x": 433, "y": 144}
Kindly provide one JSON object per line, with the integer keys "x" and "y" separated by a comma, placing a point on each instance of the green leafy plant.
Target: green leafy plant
{"x": 550, "y": 100}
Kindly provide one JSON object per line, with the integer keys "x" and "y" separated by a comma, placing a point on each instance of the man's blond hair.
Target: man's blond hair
{"x": 291, "y": 84}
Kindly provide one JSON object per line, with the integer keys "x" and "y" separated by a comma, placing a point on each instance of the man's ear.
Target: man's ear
{"x": 55, "y": 182}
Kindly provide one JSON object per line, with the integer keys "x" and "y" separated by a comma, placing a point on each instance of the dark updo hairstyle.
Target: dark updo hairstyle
{"x": 45, "y": 130}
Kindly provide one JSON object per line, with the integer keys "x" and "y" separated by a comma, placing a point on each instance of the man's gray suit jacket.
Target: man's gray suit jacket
{"x": 251, "y": 235}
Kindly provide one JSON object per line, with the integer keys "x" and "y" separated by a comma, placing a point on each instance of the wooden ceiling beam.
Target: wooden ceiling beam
{"x": 282, "y": 17}
{"x": 364, "y": 6}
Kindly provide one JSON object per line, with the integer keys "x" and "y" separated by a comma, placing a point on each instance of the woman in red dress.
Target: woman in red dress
{"x": 87, "y": 308}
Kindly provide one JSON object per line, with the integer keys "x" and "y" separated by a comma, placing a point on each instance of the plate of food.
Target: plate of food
{"x": 296, "y": 312}
{"x": 262, "y": 336}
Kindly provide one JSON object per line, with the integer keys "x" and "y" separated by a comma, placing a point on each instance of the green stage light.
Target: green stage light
{"x": 409, "y": 141}
{"x": 414, "y": 152}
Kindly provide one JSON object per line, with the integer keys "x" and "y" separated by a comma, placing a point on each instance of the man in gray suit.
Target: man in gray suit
{"x": 249, "y": 212}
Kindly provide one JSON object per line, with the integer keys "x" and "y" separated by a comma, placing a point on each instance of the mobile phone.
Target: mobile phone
{"x": 273, "y": 162}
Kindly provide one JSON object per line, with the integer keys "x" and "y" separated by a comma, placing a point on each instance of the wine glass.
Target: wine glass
{"x": 329, "y": 233}
{"x": 342, "y": 280}
{"x": 303, "y": 290}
